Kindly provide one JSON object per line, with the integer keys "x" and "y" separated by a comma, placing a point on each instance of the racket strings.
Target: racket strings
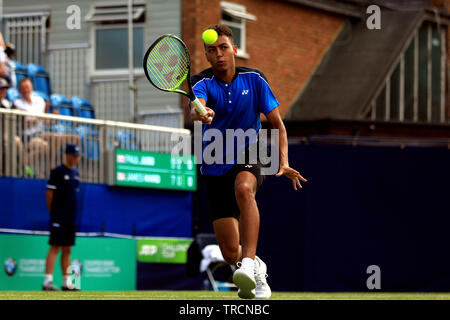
{"x": 168, "y": 63}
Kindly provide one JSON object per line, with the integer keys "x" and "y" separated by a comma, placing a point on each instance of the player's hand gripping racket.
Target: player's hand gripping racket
{"x": 167, "y": 64}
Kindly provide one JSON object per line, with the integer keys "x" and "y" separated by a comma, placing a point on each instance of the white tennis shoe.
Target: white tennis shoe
{"x": 244, "y": 279}
{"x": 262, "y": 290}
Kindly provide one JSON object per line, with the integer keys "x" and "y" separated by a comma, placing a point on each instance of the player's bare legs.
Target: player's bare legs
{"x": 238, "y": 240}
{"x": 227, "y": 235}
{"x": 230, "y": 233}
{"x": 49, "y": 267}
{"x": 245, "y": 190}
{"x": 65, "y": 264}
{"x": 65, "y": 259}
{"x": 245, "y": 187}
{"x": 51, "y": 259}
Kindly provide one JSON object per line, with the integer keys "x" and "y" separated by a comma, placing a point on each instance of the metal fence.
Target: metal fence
{"x": 32, "y": 144}
{"x": 111, "y": 99}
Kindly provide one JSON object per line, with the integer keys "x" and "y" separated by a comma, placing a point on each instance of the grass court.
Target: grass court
{"x": 210, "y": 295}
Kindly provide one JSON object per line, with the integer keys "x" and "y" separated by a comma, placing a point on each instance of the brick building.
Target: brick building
{"x": 331, "y": 73}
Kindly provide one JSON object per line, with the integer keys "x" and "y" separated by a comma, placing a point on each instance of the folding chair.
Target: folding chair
{"x": 212, "y": 262}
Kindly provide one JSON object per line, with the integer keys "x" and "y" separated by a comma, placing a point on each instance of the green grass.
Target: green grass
{"x": 209, "y": 295}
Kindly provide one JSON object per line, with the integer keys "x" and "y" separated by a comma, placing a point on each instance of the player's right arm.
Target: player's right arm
{"x": 207, "y": 118}
{"x": 49, "y": 197}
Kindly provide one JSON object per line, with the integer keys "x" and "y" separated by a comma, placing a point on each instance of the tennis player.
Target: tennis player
{"x": 234, "y": 97}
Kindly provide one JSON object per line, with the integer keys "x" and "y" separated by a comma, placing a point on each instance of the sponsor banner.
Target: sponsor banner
{"x": 162, "y": 250}
{"x": 96, "y": 263}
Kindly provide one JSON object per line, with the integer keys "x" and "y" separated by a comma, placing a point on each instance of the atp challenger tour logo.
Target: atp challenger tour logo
{"x": 224, "y": 149}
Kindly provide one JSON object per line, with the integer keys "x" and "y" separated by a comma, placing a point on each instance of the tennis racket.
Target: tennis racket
{"x": 167, "y": 64}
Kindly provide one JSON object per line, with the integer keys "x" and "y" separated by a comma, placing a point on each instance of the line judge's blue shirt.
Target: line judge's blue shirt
{"x": 237, "y": 105}
{"x": 65, "y": 183}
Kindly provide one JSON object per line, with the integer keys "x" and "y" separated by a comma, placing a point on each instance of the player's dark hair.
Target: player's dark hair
{"x": 222, "y": 30}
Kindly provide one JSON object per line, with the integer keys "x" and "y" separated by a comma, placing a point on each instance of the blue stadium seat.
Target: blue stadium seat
{"x": 59, "y": 100}
{"x": 64, "y": 107}
{"x": 126, "y": 140}
{"x": 40, "y": 78}
{"x": 78, "y": 102}
{"x": 12, "y": 94}
{"x": 83, "y": 108}
{"x": 86, "y": 113}
{"x": 65, "y": 110}
{"x": 21, "y": 72}
{"x": 89, "y": 137}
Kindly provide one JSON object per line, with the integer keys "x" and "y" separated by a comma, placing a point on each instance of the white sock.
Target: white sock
{"x": 67, "y": 281}
{"x": 48, "y": 278}
{"x": 248, "y": 263}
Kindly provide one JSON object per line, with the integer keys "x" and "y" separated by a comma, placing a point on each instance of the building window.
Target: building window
{"x": 110, "y": 37}
{"x": 111, "y": 48}
{"x": 415, "y": 90}
{"x": 28, "y": 32}
{"x": 235, "y": 17}
{"x": 113, "y": 12}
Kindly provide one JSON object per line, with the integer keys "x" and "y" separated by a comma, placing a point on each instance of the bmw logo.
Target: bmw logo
{"x": 10, "y": 267}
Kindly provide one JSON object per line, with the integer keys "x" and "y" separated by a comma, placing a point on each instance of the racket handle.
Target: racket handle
{"x": 198, "y": 106}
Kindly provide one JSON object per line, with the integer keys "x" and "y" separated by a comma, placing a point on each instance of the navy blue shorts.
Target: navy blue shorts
{"x": 62, "y": 234}
{"x": 220, "y": 189}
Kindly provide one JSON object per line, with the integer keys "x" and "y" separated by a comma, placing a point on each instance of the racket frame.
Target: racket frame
{"x": 190, "y": 94}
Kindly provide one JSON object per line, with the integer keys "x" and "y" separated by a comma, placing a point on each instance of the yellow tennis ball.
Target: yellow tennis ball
{"x": 210, "y": 36}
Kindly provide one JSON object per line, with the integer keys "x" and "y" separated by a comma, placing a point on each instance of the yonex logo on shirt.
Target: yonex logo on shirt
{"x": 237, "y": 106}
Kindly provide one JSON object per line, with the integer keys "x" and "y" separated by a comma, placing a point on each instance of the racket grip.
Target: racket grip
{"x": 198, "y": 106}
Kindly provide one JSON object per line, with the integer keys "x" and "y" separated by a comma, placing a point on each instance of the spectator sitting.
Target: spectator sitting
{"x": 5, "y": 103}
{"x": 3, "y": 58}
{"x": 33, "y": 129}
{"x": 48, "y": 141}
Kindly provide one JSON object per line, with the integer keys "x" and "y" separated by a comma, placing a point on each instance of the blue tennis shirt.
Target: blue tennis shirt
{"x": 65, "y": 183}
{"x": 237, "y": 105}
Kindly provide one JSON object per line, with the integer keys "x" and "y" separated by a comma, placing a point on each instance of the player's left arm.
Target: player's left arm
{"x": 276, "y": 122}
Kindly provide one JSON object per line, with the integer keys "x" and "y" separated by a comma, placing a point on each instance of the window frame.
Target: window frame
{"x": 242, "y": 25}
{"x": 99, "y": 73}
{"x": 120, "y": 13}
{"x": 428, "y": 25}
